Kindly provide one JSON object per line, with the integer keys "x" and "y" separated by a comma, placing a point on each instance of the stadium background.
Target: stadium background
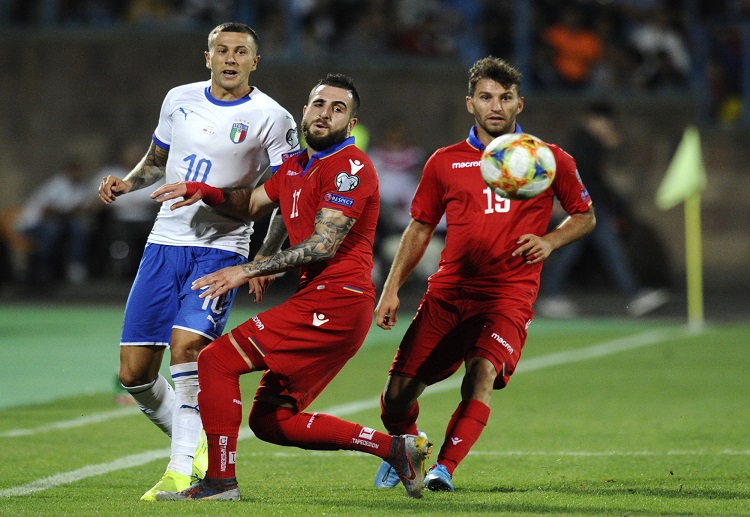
{"x": 76, "y": 79}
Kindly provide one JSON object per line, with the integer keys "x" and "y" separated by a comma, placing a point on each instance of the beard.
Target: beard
{"x": 323, "y": 142}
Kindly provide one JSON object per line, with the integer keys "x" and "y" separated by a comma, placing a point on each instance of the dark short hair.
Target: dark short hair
{"x": 345, "y": 83}
{"x": 233, "y": 27}
{"x": 496, "y": 69}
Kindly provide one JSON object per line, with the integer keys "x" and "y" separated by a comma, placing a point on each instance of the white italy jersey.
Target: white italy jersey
{"x": 224, "y": 144}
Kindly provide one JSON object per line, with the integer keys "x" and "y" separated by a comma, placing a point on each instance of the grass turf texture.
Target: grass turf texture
{"x": 658, "y": 429}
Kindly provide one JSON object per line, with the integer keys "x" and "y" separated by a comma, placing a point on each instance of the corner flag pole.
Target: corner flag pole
{"x": 694, "y": 261}
{"x": 683, "y": 182}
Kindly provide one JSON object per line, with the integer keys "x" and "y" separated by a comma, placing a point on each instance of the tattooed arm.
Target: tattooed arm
{"x": 149, "y": 170}
{"x": 330, "y": 229}
{"x": 275, "y": 237}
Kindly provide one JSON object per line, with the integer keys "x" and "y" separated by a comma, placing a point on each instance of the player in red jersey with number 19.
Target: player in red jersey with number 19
{"x": 479, "y": 303}
{"x": 329, "y": 200}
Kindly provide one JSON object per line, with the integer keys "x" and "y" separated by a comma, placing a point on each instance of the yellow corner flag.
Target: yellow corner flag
{"x": 684, "y": 180}
{"x": 686, "y": 174}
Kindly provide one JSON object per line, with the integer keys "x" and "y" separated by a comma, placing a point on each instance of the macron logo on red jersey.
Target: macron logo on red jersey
{"x": 464, "y": 165}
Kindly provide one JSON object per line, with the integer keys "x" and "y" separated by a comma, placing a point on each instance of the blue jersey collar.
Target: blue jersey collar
{"x": 214, "y": 100}
{"x": 326, "y": 152}
{"x": 474, "y": 141}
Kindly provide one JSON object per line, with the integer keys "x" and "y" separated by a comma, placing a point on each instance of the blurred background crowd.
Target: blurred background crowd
{"x": 92, "y": 73}
{"x": 596, "y": 45}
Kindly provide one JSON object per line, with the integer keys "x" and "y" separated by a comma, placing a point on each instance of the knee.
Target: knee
{"x": 479, "y": 379}
{"x": 398, "y": 397}
{"x": 267, "y": 422}
{"x": 130, "y": 378}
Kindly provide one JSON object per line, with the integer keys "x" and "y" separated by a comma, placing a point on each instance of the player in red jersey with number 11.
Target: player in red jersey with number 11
{"x": 329, "y": 199}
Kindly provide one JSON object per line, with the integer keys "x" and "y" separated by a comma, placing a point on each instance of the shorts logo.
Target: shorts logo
{"x": 500, "y": 340}
{"x": 319, "y": 319}
{"x": 238, "y": 132}
{"x": 258, "y": 323}
{"x": 346, "y": 183}
{"x": 338, "y": 200}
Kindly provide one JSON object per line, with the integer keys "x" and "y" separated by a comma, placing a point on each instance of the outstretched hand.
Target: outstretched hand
{"x": 221, "y": 282}
{"x": 175, "y": 191}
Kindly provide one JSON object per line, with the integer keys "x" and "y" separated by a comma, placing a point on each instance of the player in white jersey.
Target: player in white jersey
{"x": 225, "y": 133}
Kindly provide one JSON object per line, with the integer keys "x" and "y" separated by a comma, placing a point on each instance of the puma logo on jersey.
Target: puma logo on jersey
{"x": 456, "y": 441}
{"x": 209, "y": 318}
{"x": 356, "y": 166}
{"x": 319, "y": 319}
{"x": 185, "y": 112}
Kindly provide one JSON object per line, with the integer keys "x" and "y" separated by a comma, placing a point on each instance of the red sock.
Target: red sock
{"x": 315, "y": 431}
{"x": 400, "y": 423}
{"x": 464, "y": 428}
{"x": 221, "y": 456}
{"x": 220, "y": 403}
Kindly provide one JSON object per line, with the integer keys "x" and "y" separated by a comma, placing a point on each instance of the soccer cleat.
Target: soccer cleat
{"x": 210, "y": 489}
{"x": 200, "y": 459}
{"x": 438, "y": 479}
{"x": 408, "y": 455}
{"x": 171, "y": 481}
{"x": 386, "y": 476}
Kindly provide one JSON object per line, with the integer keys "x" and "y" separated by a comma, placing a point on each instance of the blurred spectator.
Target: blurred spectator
{"x": 203, "y": 13}
{"x": 399, "y": 163}
{"x": 590, "y": 143}
{"x": 57, "y": 217}
{"x": 148, "y": 13}
{"x": 428, "y": 33}
{"x": 664, "y": 56}
{"x": 575, "y": 48}
{"x": 127, "y": 223}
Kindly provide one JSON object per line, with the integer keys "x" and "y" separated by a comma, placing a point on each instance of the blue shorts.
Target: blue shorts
{"x": 161, "y": 298}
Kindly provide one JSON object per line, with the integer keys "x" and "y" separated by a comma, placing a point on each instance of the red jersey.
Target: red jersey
{"x": 341, "y": 178}
{"x": 482, "y": 227}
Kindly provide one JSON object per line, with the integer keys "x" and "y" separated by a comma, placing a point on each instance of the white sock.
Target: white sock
{"x": 186, "y": 419}
{"x": 156, "y": 401}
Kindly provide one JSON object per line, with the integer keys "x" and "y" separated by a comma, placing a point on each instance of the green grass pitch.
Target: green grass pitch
{"x": 603, "y": 417}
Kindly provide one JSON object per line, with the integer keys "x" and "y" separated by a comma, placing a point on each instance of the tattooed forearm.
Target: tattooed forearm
{"x": 275, "y": 236}
{"x": 151, "y": 168}
{"x": 330, "y": 230}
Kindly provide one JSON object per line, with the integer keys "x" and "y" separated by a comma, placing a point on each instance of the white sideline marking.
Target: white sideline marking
{"x": 583, "y": 454}
{"x": 75, "y": 422}
{"x": 535, "y": 363}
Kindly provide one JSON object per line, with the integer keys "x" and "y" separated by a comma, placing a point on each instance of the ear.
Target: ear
{"x": 352, "y": 122}
{"x": 520, "y": 105}
{"x": 208, "y": 59}
{"x": 469, "y": 105}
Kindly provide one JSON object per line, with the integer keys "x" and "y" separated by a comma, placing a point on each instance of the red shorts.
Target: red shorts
{"x": 447, "y": 330}
{"x": 305, "y": 341}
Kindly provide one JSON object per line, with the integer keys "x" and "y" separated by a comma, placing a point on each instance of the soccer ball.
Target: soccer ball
{"x": 518, "y": 166}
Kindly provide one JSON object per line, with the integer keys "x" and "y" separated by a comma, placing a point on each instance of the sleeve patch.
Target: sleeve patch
{"x": 337, "y": 199}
